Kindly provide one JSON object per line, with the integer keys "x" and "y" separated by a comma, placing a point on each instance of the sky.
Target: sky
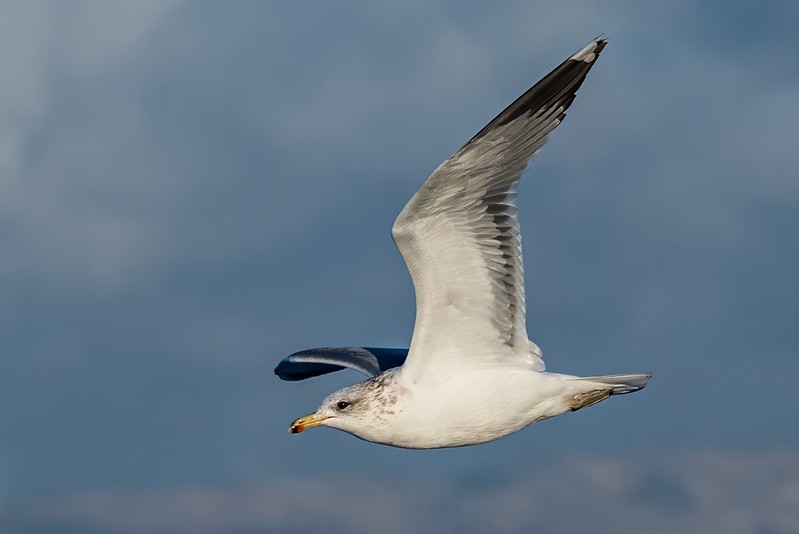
{"x": 190, "y": 191}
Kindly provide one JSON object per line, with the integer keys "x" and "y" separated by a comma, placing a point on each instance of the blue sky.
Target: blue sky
{"x": 190, "y": 191}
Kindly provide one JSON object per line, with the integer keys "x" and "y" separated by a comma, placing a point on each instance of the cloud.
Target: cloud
{"x": 190, "y": 190}
{"x": 698, "y": 492}
{"x": 118, "y": 117}
{"x": 68, "y": 122}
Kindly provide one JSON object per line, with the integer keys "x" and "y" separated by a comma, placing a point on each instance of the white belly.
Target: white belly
{"x": 471, "y": 408}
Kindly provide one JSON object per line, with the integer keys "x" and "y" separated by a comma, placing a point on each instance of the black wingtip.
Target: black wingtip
{"x": 589, "y": 52}
{"x": 556, "y": 88}
{"x": 601, "y": 43}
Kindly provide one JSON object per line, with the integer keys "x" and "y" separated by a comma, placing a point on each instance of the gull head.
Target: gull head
{"x": 359, "y": 409}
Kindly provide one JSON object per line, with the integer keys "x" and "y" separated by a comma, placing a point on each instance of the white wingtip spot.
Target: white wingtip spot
{"x": 586, "y": 53}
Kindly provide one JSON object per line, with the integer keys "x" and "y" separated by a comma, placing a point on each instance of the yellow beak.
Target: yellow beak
{"x": 306, "y": 422}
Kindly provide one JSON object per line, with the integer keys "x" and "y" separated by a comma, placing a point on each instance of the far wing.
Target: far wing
{"x": 459, "y": 234}
{"x": 370, "y": 361}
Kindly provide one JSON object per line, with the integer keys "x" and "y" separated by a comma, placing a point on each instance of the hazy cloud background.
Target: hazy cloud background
{"x": 191, "y": 190}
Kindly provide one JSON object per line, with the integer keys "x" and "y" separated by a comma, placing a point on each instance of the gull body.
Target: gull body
{"x": 462, "y": 409}
{"x": 471, "y": 375}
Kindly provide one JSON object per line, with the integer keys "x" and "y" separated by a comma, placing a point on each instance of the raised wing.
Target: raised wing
{"x": 459, "y": 235}
{"x": 314, "y": 362}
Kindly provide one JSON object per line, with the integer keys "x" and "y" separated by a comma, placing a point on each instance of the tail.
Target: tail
{"x": 600, "y": 388}
{"x": 620, "y": 384}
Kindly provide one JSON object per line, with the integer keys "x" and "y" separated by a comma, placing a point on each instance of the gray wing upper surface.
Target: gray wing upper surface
{"x": 459, "y": 234}
{"x": 314, "y": 362}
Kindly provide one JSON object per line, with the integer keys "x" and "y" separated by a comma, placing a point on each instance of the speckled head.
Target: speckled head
{"x": 359, "y": 409}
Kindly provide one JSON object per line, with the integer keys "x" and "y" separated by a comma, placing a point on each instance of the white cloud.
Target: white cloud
{"x": 206, "y": 170}
{"x": 101, "y": 195}
{"x": 62, "y": 232}
{"x": 94, "y": 36}
{"x": 699, "y": 492}
{"x": 72, "y": 222}
{"x": 25, "y": 82}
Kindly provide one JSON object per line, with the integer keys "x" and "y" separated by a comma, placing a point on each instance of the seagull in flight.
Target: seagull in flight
{"x": 471, "y": 375}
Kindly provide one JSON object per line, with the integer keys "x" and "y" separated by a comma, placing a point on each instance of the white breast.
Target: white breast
{"x": 472, "y": 408}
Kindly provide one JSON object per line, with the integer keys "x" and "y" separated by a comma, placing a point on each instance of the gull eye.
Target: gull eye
{"x": 342, "y": 405}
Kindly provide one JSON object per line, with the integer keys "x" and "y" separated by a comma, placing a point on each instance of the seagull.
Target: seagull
{"x": 471, "y": 375}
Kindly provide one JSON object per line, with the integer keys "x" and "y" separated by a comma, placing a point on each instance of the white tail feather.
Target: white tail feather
{"x": 620, "y": 384}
